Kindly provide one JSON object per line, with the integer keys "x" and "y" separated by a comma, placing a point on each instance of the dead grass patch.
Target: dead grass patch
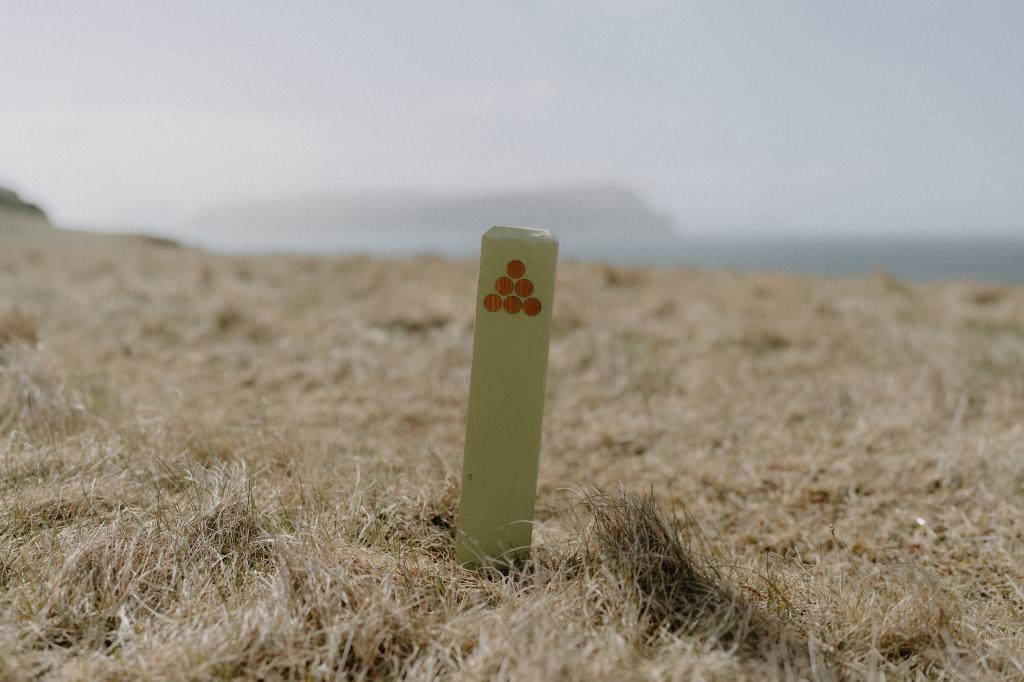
{"x": 50, "y": 512}
{"x": 34, "y": 397}
{"x": 875, "y": 617}
{"x": 134, "y": 564}
{"x": 663, "y": 565}
{"x": 224, "y": 467}
{"x": 17, "y": 325}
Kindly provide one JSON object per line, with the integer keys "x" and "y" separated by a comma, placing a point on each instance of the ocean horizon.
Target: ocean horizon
{"x": 987, "y": 259}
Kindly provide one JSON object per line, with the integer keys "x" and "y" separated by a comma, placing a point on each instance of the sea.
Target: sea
{"x": 912, "y": 258}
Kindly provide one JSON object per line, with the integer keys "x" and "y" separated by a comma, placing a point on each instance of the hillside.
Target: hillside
{"x": 223, "y": 467}
{"x": 17, "y": 214}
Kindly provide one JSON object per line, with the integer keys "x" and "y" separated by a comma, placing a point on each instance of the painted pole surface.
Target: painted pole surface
{"x": 506, "y": 395}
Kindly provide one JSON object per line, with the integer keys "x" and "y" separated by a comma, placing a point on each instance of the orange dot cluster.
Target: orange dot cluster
{"x": 513, "y": 292}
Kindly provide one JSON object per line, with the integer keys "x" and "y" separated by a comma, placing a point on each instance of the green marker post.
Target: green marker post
{"x": 506, "y": 395}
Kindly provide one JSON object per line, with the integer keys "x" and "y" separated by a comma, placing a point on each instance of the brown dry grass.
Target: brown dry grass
{"x": 216, "y": 467}
{"x": 16, "y": 325}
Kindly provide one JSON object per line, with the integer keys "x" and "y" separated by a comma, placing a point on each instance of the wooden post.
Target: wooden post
{"x": 506, "y": 395}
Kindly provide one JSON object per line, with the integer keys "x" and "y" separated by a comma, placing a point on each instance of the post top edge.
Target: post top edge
{"x": 528, "y": 233}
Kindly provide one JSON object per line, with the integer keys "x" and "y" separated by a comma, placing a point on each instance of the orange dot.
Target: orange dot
{"x": 492, "y": 302}
{"x": 515, "y": 269}
{"x": 504, "y": 286}
{"x": 513, "y": 305}
{"x": 531, "y": 307}
{"x": 524, "y": 288}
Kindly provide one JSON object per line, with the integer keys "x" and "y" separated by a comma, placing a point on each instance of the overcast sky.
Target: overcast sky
{"x": 789, "y": 117}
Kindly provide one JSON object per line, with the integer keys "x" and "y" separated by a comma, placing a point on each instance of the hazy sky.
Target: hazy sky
{"x": 796, "y": 117}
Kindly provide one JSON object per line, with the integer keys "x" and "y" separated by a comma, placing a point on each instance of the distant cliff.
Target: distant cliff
{"x": 582, "y": 217}
{"x": 16, "y": 213}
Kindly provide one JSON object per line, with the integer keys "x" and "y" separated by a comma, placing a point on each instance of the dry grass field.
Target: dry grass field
{"x": 247, "y": 467}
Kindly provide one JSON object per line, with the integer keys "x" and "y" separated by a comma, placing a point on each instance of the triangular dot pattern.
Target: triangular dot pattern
{"x": 513, "y": 292}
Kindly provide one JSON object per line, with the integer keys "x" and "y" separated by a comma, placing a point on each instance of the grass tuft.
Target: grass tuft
{"x": 662, "y": 564}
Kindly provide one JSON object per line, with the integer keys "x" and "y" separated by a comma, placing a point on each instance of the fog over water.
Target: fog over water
{"x": 601, "y": 222}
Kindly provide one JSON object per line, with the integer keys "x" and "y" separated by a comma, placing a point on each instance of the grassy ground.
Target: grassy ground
{"x": 216, "y": 467}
